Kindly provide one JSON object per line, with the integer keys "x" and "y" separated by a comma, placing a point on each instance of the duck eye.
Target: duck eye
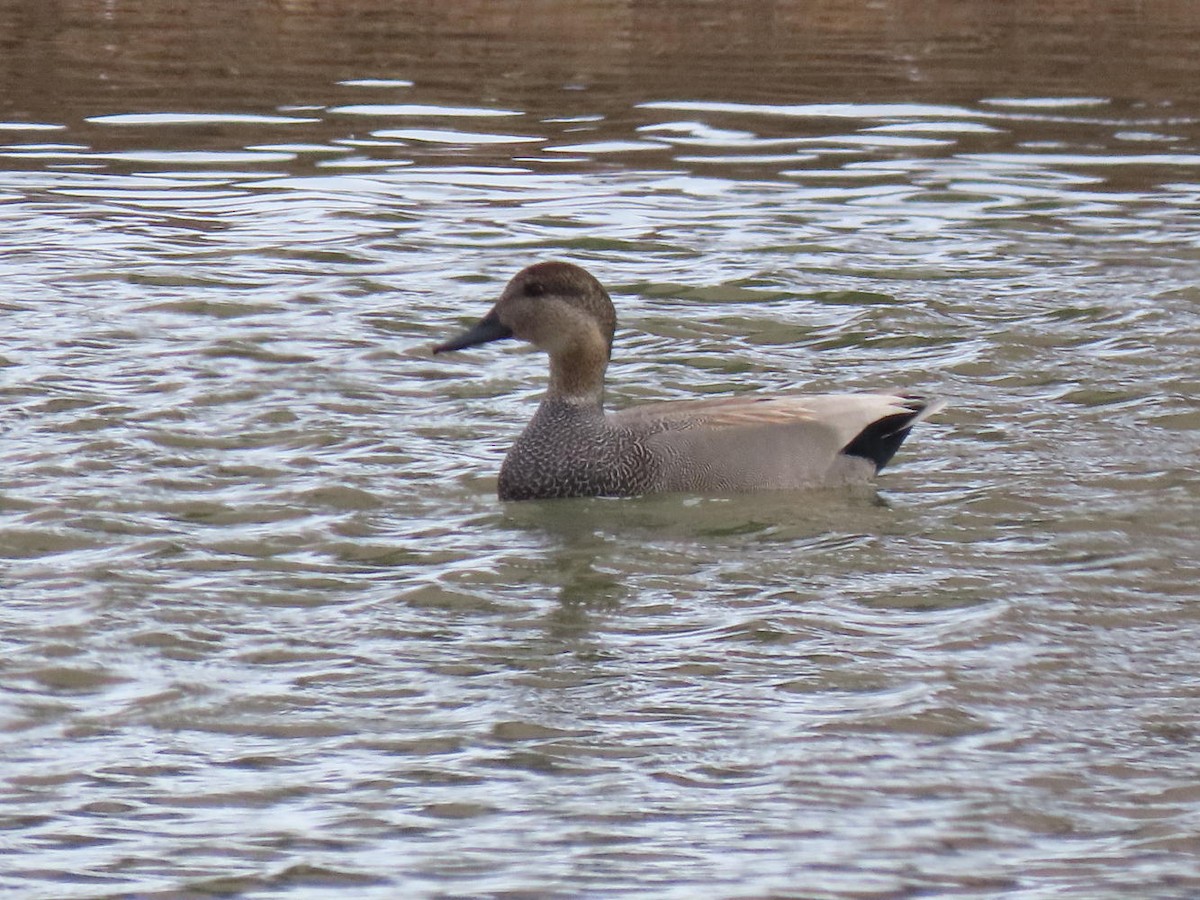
{"x": 534, "y": 289}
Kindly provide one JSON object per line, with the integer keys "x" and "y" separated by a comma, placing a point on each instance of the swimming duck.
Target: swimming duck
{"x": 751, "y": 442}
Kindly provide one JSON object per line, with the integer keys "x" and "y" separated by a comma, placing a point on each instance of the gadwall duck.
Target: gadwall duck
{"x": 573, "y": 448}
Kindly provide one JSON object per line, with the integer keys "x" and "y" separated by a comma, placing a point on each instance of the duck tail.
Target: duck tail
{"x": 879, "y": 441}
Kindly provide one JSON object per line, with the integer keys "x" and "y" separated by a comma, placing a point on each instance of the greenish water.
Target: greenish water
{"x": 266, "y": 630}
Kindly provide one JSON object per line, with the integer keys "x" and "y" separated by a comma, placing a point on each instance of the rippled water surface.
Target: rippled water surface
{"x": 267, "y": 631}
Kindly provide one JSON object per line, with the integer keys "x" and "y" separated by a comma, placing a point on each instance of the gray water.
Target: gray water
{"x": 266, "y": 630}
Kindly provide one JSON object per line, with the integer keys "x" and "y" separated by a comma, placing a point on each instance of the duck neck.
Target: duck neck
{"x": 577, "y": 374}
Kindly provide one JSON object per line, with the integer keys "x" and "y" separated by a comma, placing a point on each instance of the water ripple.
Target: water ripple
{"x": 267, "y": 629}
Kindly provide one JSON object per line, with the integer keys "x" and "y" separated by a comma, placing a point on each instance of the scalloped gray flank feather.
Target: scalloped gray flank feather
{"x": 755, "y": 442}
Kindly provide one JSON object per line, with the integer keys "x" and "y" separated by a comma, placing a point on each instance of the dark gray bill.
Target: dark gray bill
{"x": 486, "y": 329}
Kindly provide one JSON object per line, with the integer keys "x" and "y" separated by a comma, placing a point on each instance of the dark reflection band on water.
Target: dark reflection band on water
{"x": 267, "y": 630}
{"x": 138, "y": 53}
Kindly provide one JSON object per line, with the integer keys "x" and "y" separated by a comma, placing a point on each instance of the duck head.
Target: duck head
{"x": 556, "y": 306}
